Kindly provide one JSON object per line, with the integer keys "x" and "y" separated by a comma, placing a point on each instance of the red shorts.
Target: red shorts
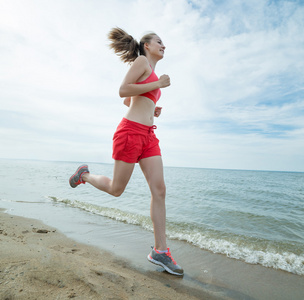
{"x": 133, "y": 141}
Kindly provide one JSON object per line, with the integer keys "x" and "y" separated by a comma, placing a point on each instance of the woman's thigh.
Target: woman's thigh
{"x": 152, "y": 167}
{"x": 121, "y": 175}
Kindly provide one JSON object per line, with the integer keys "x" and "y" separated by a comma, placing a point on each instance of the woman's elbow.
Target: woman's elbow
{"x": 123, "y": 92}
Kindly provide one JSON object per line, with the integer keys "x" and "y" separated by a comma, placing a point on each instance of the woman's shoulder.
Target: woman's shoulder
{"x": 141, "y": 60}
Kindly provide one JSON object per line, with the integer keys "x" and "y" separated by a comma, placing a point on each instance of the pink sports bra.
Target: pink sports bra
{"x": 152, "y": 95}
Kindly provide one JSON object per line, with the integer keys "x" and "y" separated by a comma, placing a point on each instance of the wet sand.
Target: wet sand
{"x": 37, "y": 261}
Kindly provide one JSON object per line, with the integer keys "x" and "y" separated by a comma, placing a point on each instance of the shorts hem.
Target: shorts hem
{"x": 149, "y": 156}
{"x": 129, "y": 161}
{"x": 125, "y": 160}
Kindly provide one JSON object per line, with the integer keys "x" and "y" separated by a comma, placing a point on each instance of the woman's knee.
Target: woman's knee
{"x": 159, "y": 190}
{"x": 117, "y": 192}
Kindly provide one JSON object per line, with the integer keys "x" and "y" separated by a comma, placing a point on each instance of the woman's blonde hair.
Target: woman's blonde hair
{"x": 125, "y": 46}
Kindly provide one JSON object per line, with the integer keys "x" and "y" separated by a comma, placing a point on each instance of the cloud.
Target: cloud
{"x": 236, "y": 99}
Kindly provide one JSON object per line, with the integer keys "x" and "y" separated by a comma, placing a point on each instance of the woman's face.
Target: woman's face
{"x": 156, "y": 47}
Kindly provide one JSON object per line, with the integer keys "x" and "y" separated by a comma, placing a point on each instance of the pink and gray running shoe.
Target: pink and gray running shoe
{"x": 76, "y": 178}
{"x": 166, "y": 261}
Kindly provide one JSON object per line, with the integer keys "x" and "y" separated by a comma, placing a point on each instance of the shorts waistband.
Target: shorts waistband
{"x": 138, "y": 126}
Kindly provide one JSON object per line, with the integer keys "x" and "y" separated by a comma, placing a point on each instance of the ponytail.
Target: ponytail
{"x": 124, "y": 45}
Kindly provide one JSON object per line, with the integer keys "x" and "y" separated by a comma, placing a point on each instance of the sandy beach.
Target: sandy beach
{"x": 38, "y": 262}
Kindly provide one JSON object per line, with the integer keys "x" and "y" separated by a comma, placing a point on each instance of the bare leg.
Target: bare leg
{"x": 152, "y": 168}
{"x": 121, "y": 176}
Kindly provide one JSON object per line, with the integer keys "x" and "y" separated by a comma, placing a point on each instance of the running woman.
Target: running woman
{"x": 134, "y": 140}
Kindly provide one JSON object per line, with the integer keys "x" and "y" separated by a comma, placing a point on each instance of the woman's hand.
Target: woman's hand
{"x": 164, "y": 81}
{"x": 157, "y": 111}
{"x": 127, "y": 101}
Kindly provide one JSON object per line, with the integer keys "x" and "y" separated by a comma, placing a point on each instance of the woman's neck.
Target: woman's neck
{"x": 152, "y": 61}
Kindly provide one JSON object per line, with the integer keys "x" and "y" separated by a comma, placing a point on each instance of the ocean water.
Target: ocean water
{"x": 253, "y": 216}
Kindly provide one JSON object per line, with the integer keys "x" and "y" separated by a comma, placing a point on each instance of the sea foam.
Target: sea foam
{"x": 243, "y": 249}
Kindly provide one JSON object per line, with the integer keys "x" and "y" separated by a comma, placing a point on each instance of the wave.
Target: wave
{"x": 113, "y": 213}
{"x": 250, "y": 250}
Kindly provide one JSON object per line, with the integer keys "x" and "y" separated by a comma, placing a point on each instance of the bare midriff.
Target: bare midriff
{"x": 141, "y": 110}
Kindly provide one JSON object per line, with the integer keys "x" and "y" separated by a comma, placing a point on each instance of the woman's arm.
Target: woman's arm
{"x": 140, "y": 66}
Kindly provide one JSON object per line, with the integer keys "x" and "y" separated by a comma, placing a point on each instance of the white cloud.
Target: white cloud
{"x": 236, "y": 99}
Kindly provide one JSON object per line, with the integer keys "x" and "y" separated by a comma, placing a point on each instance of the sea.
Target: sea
{"x": 253, "y": 216}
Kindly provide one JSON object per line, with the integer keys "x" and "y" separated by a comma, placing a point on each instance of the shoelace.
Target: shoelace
{"x": 169, "y": 254}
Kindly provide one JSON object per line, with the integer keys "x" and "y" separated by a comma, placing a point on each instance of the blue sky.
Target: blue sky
{"x": 236, "y": 98}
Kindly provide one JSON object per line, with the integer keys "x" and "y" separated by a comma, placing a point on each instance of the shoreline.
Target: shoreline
{"x": 39, "y": 262}
{"x": 75, "y": 260}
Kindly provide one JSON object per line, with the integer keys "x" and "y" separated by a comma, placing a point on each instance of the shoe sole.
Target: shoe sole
{"x": 156, "y": 262}
{"x": 76, "y": 173}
